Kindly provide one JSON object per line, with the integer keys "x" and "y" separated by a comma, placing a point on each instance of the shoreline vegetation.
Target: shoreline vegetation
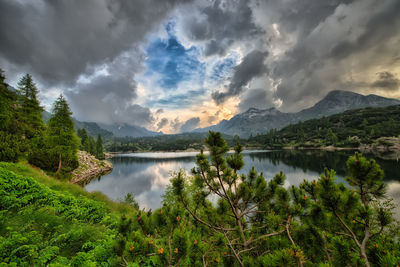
{"x": 385, "y": 147}
{"x": 46, "y": 221}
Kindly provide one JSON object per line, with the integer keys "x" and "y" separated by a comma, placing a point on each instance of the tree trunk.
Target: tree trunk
{"x": 59, "y": 164}
{"x": 364, "y": 256}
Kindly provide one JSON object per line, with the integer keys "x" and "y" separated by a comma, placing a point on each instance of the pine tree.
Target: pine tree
{"x": 331, "y": 138}
{"x": 30, "y": 109}
{"x": 91, "y": 145}
{"x": 6, "y": 101}
{"x": 351, "y": 215}
{"x": 235, "y": 218}
{"x": 82, "y": 134}
{"x": 99, "y": 148}
{"x": 9, "y": 128}
{"x": 61, "y": 136}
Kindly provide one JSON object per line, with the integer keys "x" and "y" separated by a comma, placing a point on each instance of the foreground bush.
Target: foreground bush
{"x": 215, "y": 217}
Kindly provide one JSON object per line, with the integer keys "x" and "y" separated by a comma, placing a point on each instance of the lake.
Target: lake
{"x": 146, "y": 175}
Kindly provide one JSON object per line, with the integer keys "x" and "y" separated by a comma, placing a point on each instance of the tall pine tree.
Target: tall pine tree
{"x": 9, "y": 123}
{"x": 61, "y": 136}
{"x": 29, "y": 108}
{"x": 99, "y": 148}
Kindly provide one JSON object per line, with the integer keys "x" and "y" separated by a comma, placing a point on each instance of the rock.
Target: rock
{"x": 89, "y": 168}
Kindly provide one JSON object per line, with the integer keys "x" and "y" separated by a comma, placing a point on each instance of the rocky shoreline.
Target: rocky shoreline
{"x": 89, "y": 168}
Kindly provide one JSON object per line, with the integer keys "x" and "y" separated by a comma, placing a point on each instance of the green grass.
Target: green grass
{"x": 23, "y": 168}
{"x": 45, "y": 220}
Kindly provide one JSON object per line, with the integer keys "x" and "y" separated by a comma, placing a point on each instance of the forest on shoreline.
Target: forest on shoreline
{"x": 350, "y": 129}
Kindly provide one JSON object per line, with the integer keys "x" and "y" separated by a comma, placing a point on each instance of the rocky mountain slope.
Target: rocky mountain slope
{"x": 123, "y": 130}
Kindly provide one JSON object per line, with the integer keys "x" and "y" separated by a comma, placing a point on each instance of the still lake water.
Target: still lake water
{"x": 146, "y": 175}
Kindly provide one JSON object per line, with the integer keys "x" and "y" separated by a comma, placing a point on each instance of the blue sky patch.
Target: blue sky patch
{"x": 223, "y": 69}
{"x": 169, "y": 59}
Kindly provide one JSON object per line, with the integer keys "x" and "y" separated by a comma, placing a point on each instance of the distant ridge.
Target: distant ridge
{"x": 257, "y": 121}
{"x": 108, "y": 131}
{"x": 123, "y": 130}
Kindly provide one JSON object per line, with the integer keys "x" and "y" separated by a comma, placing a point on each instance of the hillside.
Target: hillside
{"x": 347, "y": 129}
{"x": 171, "y": 142}
{"x": 255, "y": 121}
{"x": 92, "y": 128}
{"x": 44, "y": 221}
{"x": 123, "y": 130}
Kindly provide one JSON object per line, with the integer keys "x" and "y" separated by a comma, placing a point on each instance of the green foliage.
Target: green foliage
{"x": 44, "y": 221}
{"x": 57, "y": 150}
{"x": 11, "y": 143}
{"x": 88, "y": 144}
{"x": 167, "y": 142}
{"x": 9, "y": 147}
{"x": 99, "y": 148}
{"x": 42, "y": 226}
{"x": 30, "y": 111}
{"x": 347, "y": 129}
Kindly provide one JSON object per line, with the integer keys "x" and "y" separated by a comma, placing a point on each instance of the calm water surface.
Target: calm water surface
{"x": 146, "y": 175}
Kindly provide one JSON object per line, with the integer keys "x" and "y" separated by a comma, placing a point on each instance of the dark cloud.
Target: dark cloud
{"x": 300, "y": 17}
{"x": 163, "y": 122}
{"x": 59, "y": 40}
{"x": 379, "y": 27}
{"x": 387, "y": 81}
{"x": 352, "y": 37}
{"x": 256, "y": 98}
{"x": 175, "y": 124}
{"x": 190, "y": 124}
{"x": 251, "y": 66}
{"x": 221, "y": 24}
{"x": 108, "y": 99}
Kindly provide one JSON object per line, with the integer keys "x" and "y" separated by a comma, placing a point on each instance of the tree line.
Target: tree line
{"x": 348, "y": 129}
{"x": 23, "y": 133}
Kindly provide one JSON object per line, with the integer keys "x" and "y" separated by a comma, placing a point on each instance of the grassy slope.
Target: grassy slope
{"x": 44, "y": 220}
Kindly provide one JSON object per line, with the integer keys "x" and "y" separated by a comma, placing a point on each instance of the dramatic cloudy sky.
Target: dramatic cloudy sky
{"x": 174, "y": 65}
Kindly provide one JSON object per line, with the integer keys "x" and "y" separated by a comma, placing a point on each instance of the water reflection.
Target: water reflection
{"x": 146, "y": 175}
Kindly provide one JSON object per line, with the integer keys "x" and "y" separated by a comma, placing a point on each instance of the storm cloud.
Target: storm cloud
{"x": 121, "y": 61}
{"x": 387, "y": 81}
{"x": 251, "y": 66}
{"x": 221, "y": 24}
{"x": 57, "y": 41}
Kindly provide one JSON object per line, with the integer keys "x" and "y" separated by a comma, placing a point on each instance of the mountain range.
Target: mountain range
{"x": 257, "y": 121}
{"x": 254, "y": 121}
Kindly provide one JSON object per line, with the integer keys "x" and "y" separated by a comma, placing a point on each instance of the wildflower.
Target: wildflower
{"x": 376, "y": 245}
{"x": 176, "y": 250}
{"x": 178, "y": 218}
{"x": 195, "y": 242}
{"x": 131, "y": 248}
{"x": 354, "y": 221}
{"x": 305, "y": 197}
{"x": 151, "y": 242}
{"x": 160, "y": 251}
